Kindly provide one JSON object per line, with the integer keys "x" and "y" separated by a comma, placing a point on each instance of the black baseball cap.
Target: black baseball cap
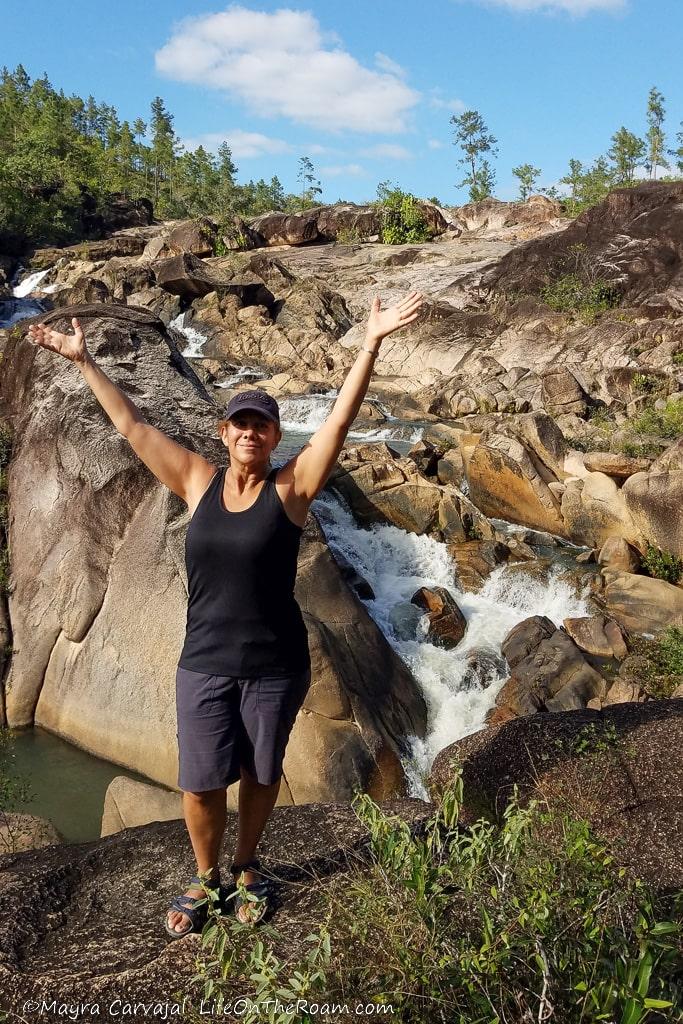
{"x": 258, "y": 401}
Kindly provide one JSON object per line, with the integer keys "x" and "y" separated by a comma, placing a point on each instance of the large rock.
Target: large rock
{"x": 447, "y": 624}
{"x": 495, "y": 218}
{"x": 635, "y": 237}
{"x": 129, "y": 803}
{"x": 640, "y": 603}
{"x": 616, "y": 553}
{"x": 594, "y": 509}
{"x": 654, "y": 501}
{"x": 619, "y": 466}
{"x": 507, "y": 482}
{"x": 548, "y": 670}
{"x": 325, "y": 223}
{"x": 83, "y": 923}
{"x": 90, "y": 524}
{"x": 620, "y": 768}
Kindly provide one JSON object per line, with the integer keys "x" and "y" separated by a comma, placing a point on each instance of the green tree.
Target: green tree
{"x": 527, "y": 175}
{"x": 476, "y": 143}
{"x": 310, "y": 186}
{"x": 588, "y": 185}
{"x": 678, "y": 152}
{"x": 655, "y": 133}
{"x": 627, "y": 152}
{"x": 164, "y": 152}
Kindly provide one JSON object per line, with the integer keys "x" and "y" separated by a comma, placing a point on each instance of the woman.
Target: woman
{"x": 245, "y": 667}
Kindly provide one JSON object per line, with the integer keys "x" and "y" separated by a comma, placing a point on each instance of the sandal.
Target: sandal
{"x": 259, "y": 891}
{"x": 197, "y": 909}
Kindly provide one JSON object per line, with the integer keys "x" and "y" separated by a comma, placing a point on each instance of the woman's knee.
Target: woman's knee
{"x": 206, "y": 796}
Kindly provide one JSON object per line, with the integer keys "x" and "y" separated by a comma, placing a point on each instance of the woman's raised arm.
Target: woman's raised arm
{"x": 182, "y": 471}
{"x": 313, "y": 464}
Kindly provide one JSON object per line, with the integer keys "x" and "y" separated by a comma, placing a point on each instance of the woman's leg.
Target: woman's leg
{"x": 255, "y": 803}
{"x": 205, "y": 817}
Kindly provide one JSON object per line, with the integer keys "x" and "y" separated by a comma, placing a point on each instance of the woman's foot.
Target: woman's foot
{"x": 180, "y": 922}
{"x": 251, "y": 911}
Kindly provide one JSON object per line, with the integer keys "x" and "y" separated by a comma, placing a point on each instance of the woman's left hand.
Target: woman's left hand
{"x": 382, "y": 322}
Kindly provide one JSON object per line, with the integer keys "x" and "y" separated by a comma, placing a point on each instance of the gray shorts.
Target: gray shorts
{"x": 225, "y": 722}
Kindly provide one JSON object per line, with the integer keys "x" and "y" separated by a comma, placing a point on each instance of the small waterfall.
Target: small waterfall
{"x": 194, "y": 337}
{"x": 29, "y": 284}
{"x": 460, "y": 685}
{"x": 305, "y": 413}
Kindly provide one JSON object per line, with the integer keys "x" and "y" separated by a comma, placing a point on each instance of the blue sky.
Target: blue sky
{"x": 366, "y": 88}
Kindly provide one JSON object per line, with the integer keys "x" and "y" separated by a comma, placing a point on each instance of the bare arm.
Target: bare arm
{"x": 176, "y": 467}
{"x": 315, "y": 461}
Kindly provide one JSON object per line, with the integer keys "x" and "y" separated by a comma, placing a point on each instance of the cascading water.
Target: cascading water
{"x": 460, "y": 685}
{"x": 194, "y": 337}
{"x": 29, "y": 284}
{"x": 308, "y": 412}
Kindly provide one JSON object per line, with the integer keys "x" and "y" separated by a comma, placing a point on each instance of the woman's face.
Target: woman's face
{"x": 250, "y": 437}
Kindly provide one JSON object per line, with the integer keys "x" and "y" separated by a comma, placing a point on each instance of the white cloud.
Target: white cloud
{"x": 435, "y": 144}
{"x": 387, "y": 151}
{"x": 315, "y": 149}
{"x": 437, "y": 100}
{"x": 242, "y": 144}
{"x": 385, "y": 63}
{"x": 577, "y": 7}
{"x": 279, "y": 65}
{"x": 354, "y": 170}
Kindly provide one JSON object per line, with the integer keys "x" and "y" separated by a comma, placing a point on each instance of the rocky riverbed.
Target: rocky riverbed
{"x": 513, "y": 565}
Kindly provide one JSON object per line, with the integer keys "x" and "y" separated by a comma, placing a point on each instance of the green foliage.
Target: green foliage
{"x": 348, "y": 236}
{"x": 677, "y": 358}
{"x": 401, "y": 217}
{"x": 527, "y": 176}
{"x": 662, "y": 661}
{"x": 310, "y": 186}
{"x": 664, "y": 423}
{"x": 526, "y": 919}
{"x": 591, "y": 740}
{"x": 662, "y": 564}
{"x": 647, "y": 383}
{"x": 58, "y": 151}
{"x": 588, "y": 186}
{"x": 627, "y": 152}
{"x": 655, "y": 133}
{"x": 582, "y": 288}
{"x": 476, "y": 143}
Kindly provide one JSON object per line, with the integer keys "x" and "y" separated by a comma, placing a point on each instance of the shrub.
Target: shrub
{"x": 647, "y": 383}
{"x": 662, "y": 565}
{"x": 677, "y": 358}
{"x": 526, "y": 919}
{"x": 666, "y": 422}
{"x": 348, "y": 236}
{"x": 663, "y": 661}
{"x": 402, "y": 219}
{"x": 583, "y": 289}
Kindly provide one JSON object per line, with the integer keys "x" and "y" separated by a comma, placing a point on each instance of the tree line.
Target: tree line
{"x": 622, "y": 166}
{"x": 55, "y": 150}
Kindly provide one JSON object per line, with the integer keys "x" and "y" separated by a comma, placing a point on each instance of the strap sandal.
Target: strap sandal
{"x": 196, "y": 908}
{"x": 258, "y": 893}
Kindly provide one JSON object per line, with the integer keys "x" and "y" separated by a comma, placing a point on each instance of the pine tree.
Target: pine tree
{"x": 310, "y": 186}
{"x": 475, "y": 140}
{"x": 527, "y": 175}
{"x": 655, "y": 133}
{"x": 626, "y": 153}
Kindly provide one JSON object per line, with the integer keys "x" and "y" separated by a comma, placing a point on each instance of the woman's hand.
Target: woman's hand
{"x": 382, "y": 322}
{"x": 71, "y": 346}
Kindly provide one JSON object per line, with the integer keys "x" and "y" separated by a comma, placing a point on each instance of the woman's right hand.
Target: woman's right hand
{"x": 71, "y": 346}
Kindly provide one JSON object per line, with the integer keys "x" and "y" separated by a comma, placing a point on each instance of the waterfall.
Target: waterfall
{"x": 29, "y": 284}
{"x": 305, "y": 413}
{"x": 460, "y": 685}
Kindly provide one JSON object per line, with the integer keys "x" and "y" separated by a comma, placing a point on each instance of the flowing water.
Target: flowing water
{"x": 460, "y": 685}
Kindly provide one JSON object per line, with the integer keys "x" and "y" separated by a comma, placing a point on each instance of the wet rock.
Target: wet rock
{"x": 620, "y": 768}
{"x": 475, "y": 560}
{"x": 590, "y": 633}
{"x": 447, "y": 624}
{"x": 549, "y": 671}
{"x": 405, "y": 620}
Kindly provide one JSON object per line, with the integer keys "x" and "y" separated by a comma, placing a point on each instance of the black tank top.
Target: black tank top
{"x": 242, "y": 617}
